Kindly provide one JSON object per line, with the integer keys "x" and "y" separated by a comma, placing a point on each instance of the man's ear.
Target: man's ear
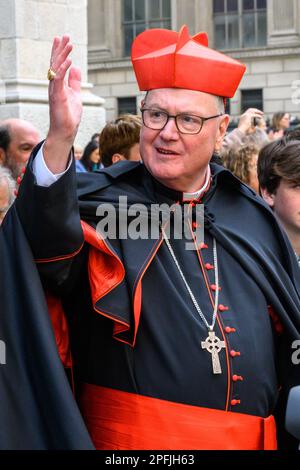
{"x": 2, "y": 156}
{"x": 223, "y": 124}
{"x": 268, "y": 197}
{"x": 117, "y": 157}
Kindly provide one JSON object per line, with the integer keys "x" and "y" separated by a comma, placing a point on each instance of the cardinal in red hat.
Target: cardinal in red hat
{"x": 179, "y": 340}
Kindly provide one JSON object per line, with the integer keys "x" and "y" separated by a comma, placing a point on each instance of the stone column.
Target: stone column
{"x": 283, "y": 23}
{"x": 203, "y": 19}
{"x": 197, "y": 14}
{"x": 104, "y": 38}
{"x": 184, "y": 14}
{"x": 27, "y": 28}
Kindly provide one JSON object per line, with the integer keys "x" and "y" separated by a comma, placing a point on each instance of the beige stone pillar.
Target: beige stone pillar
{"x": 184, "y": 12}
{"x": 104, "y": 38}
{"x": 27, "y": 28}
{"x": 197, "y": 14}
{"x": 203, "y": 19}
{"x": 283, "y": 22}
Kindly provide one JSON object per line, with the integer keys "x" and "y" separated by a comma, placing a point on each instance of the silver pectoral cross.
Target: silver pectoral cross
{"x": 214, "y": 345}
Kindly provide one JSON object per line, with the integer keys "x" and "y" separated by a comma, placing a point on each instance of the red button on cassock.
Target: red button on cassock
{"x": 230, "y": 330}
{"x": 223, "y": 308}
{"x": 235, "y": 378}
{"x": 234, "y": 353}
{"x": 235, "y": 402}
{"x": 209, "y": 266}
{"x": 214, "y": 287}
{"x": 203, "y": 246}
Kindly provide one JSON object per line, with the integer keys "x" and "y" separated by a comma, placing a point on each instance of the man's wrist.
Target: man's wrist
{"x": 56, "y": 153}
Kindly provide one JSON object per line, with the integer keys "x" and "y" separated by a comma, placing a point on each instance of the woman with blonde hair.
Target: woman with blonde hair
{"x": 242, "y": 162}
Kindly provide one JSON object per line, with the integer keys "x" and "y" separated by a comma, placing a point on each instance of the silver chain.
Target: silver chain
{"x": 197, "y": 307}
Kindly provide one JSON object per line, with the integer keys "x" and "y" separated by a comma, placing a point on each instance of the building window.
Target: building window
{"x": 240, "y": 23}
{"x": 252, "y": 99}
{"x": 127, "y": 106}
{"x": 139, "y": 15}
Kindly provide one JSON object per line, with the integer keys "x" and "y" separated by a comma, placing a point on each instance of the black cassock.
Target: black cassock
{"x": 135, "y": 334}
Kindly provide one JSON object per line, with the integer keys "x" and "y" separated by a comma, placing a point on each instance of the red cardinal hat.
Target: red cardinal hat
{"x": 166, "y": 59}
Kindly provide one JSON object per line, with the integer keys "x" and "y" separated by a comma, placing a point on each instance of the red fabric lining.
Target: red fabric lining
{"x": 60, "y": 328}
{"x": 106, "y": 272}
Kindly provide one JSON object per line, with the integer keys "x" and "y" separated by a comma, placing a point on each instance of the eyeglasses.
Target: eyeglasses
{"x": 185, "y": 123}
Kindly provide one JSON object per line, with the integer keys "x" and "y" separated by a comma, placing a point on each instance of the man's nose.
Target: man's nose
{"x": 170, "y": 131}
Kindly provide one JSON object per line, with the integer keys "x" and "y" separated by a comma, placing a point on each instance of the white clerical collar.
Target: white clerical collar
{"x": 197, "y": 194}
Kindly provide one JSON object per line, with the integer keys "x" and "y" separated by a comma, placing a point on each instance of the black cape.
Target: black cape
{"x": 38, "y": 410}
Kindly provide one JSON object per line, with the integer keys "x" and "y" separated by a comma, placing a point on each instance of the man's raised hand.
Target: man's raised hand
{"x": 65, "y": 106}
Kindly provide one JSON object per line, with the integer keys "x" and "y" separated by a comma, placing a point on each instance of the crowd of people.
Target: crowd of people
{"x": 170, "y": 348}
{"x": 267, "y": 159}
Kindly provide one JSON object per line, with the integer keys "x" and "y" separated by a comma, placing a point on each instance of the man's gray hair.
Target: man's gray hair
{"x": 6, "y": 175}
{"x": 220, "y": 104}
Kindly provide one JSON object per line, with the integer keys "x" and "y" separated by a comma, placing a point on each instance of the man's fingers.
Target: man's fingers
{"x": 55, "y": 45}
{"x": 60, "y": 59}
{"x": 60, "y": 63}
{"x": 60, "y": 49}
{"x": 75, "y": 79}
{"x": 61, "y": 72}
{"x": 59, "y": 79}
{"x": 64, "y": 40}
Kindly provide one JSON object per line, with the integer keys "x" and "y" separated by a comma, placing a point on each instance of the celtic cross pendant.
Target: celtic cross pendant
{"x": 214, "y": 345}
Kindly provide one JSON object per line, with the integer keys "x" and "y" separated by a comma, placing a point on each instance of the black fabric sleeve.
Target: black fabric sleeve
{"x": 51, "y": 222}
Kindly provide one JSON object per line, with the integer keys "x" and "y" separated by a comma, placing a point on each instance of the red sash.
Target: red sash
{"x": 120, "y": 420}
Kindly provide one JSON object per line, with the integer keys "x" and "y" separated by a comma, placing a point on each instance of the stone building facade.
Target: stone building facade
{"x": 263, "y": 34}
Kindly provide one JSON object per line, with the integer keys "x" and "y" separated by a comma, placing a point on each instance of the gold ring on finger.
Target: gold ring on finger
{"x": 51, "y": 74}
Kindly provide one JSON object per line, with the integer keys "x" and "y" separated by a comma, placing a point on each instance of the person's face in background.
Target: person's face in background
{"x": 285, "y": 121}
{"x": 286, "y": 205}
{"x": 95, "y": 156}
{"x": 78, "y": 151}
{"x": 24, "y": 137}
